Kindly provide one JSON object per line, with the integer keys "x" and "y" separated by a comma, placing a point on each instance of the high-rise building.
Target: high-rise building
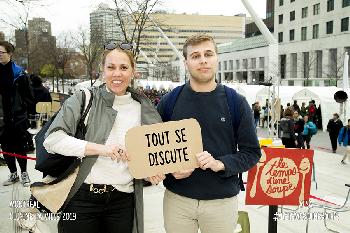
{"x": 41, "y": 44}
{"x": 104, "y": 25}
{"x": 252, "y": 30}
{"x": 178, "y": 27}
{"x": 313, "y": 37}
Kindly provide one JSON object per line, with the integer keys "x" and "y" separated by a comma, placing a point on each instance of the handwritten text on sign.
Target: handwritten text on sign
{"x": 163, "y": 148}
{"x": 281, "y": 177}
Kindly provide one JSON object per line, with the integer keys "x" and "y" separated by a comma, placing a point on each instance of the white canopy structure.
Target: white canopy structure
{"x": 158, "y": 85}
{"x": 248, "y": 91}
{"x": 287, "y": 94}
{"x": 87, "y": 84}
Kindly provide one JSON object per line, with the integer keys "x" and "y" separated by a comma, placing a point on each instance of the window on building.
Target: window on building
{"x": 280, "y": 19}
{"x": 225, "y": 65}
{"x": 303, "y": 33}
{"x": 315, "y": 31}
{"x": 283, "y": 59}
{"x": 318, "y": 70}
{"x": 253, "y": 61}
{"x": 292, "y": 15}
{"x": 280, "y": 37}
{"x": 304, "y": 12}
{"x": 346, "y": 3}
{"x": 291, "y": 35}
{"x": 306, "y": 65}
{"x": 219, "y": 66}
{"x": 245, "y": 64}
{"x": 294, "y": 65}
{"x": 329, "y": 27}
{"x": 231, "y": 65}
{"x": 344, "y": 24}
{"x": 261, "y": 62}
{"x": 281, "y": 2}
{"x": 237, "y": 64}
{"x": 317, "y": 9}
{"x": 292, "y": 0}
{"x": 333, "y": 60}
{"x": 330, "y": 5}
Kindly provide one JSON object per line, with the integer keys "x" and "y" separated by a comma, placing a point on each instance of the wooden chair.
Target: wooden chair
{"x": 55, "y": 107}
{"x": 44, "y": 111}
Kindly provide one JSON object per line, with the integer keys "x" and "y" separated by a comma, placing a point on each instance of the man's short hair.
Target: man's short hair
{"x": 195, "y": 40}
{"x": 8, "y": 46}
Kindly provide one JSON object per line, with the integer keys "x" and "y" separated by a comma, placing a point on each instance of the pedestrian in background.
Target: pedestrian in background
{"x": 298, "y": 128}
{"x": 287, "y": 127}
{"x": 307, "y": 135}
{"x": 17, "y": 99}
{"x": 333, "y": 127}
{"x": 343, "y": 138}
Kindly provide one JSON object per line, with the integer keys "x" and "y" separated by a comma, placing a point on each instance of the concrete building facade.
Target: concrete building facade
{"x": 243, "y": 60}
{"x": 313, "y": 37}
{"x": 104, "y": 25}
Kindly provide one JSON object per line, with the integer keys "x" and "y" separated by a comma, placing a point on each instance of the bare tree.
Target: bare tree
{"x": 334, "y": 69}
{"x": 91, "y": 51}
{"x": 138, "y": 12}
{"x": 62, "y": 55}
{"x": 14, "y": 14}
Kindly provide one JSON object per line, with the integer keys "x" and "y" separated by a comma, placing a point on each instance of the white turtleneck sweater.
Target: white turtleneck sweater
{"x": 105, "y": 170}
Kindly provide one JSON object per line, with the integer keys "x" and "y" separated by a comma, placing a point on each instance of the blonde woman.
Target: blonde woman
{"x": 105, "y": 197}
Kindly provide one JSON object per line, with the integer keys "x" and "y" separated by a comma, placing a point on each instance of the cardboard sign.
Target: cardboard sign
{"x": 281, "y": 177}
{"x": 163, "y": 148}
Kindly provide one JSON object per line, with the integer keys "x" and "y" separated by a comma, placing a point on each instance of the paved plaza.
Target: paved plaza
{"x": 331, "y": 177}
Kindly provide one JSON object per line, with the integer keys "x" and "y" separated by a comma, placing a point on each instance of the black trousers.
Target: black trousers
{"x": 88, "y": 212}
{"x": 307, "y": 139}
{"x": 288, "y": 142}
{"x": 13, "y": 141}
{"x": 334, "y": 142}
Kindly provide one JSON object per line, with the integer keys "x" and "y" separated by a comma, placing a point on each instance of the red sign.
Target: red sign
{"x": 281, "y": 177}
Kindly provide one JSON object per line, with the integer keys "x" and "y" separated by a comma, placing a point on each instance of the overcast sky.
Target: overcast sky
{"x": 68, "y": 15}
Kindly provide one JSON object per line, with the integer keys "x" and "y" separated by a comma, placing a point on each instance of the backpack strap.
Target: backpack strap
{"x": 233, "y": 105}
{"x": 232, "y": 101}
{"x": 87, "y": 98}
{"x": 170, "y": 102}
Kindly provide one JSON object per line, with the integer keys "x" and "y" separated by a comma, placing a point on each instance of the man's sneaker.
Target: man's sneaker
{"x": 13, "y": 178}
{"x": 25, "y": 179}
{"x": 343, "y": 162}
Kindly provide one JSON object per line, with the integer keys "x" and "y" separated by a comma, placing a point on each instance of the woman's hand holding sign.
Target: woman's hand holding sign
{"x": 115, "y": 152}
{"x": 206, "y": 160}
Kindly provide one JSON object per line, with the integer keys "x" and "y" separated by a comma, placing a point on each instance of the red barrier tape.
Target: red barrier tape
{"x": 17, "y": 155}
{"x": 320, "y": 199}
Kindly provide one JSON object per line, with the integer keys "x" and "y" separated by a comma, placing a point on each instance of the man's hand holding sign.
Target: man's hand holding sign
{"x": 172, "y": 147}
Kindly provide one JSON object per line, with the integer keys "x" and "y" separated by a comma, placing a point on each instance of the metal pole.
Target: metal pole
{"x": 178, "y": 54}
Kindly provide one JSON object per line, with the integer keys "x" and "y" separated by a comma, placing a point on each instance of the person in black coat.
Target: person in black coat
{"x": 41, "y": 94}
{"x": 16, "y": 100}
{"x": 287, "y": 129}
{"x": 333, "y": 127}
{"x": 298, "y": 128}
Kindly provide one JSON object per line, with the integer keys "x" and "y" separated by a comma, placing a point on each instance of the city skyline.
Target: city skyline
{"x": 67, "y": 15}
